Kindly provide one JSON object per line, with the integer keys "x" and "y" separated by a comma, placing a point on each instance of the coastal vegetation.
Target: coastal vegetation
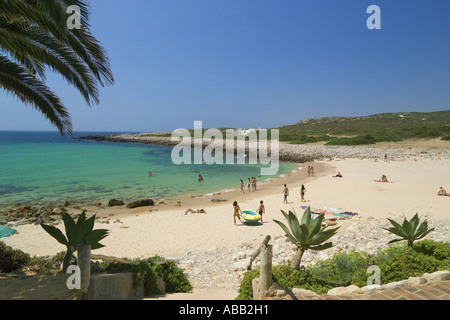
{"x": 306, "y": 234}
{"x": 33, "y": 37}
{"x": 409, "y": 230}
{"x": 381, "y": 127}
{"x": 146, "y": 271}
{"x": 80, "y": 232}
{"x": 398, "y": 262}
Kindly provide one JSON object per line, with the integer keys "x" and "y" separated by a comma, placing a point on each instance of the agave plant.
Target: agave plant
{"x": 77, "y": 233}
{"x": 307, "y": 234}
{"x": 409, "y": 230}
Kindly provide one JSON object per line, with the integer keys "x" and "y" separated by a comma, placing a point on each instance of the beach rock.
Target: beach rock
{"x": 438, "y": 275}
{"x": 59, "y": 211}
{"x": 352, "y": 289}
{"x": 303, "y": 292}
{"x": 141, "y": 203}
{"x": 114, "y": 202}
{"x": 395, "y": 284}
{"x": 415, "y": 281}
{"x": 65, "y": 203}
{"x": 371, "y": 288}
{"x": 218, "y": 200}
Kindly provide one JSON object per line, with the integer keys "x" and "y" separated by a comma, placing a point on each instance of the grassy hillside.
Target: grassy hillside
{"x": 369, "y": 129}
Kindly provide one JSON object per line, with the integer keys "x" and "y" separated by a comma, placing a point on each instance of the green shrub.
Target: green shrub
{"x": 149, "y": 270}
{"x": 367, "y": 139}
{"x": 439, "y": 250}
{"x": 397, "y": 262}
{"x": 246, "y": 290}
{"x": 409, "y": 263}
{"x": 10, "y": 259}
{"x": 446, "y": 137}
{"x": 339, "y": 270}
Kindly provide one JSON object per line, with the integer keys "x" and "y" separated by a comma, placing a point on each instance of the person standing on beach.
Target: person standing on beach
{"x": 261, "y": 210}
{"x": 249, "y": 185}
{"x": 309, "y": 171}
{"x": 242, "y": 186}
{"x": 236, "y": 213}
{"x": 286, "y": 193}
{"x": 385, "y": 157}
{"x": 253, "y": 183}
{"x": 312, "y": 171}
{"x": 302, "y": 193}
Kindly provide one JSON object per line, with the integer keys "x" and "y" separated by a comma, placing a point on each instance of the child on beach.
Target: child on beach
{"x": 236, "y": 213}
{"x": 261, "y": 210}
{"x": 286, "y": 193}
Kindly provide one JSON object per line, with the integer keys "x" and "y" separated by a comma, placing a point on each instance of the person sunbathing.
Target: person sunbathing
{"x": 383, "y": 179}
{"x": 189, "y": 211}
{"x": 442, "y": 192}
{"x": 339, "y": 175}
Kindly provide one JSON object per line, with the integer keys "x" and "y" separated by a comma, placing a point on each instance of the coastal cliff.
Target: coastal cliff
{"x": 296, "y": 152}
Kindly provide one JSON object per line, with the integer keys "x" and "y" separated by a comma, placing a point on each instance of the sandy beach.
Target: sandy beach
{"x": 214, "y": 253}
{"x": 164, "y": 229}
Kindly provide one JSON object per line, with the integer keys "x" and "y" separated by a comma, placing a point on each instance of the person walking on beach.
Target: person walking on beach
{"x": 286, "y": 193}
{"x": 312, "y": 171}
{"x": 242, "y": 186}
{"x": 309, "y": 171}
{"x": 236, "y": 213}
{"x": 261, "y": 210}
{"x": 302, "y": 193}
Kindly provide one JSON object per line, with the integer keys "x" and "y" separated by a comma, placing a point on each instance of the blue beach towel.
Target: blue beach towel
{"x": 6, "y": 232}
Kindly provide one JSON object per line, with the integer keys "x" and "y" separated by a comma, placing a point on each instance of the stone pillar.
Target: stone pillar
{"x": 266, "y": 269}
{"x": 84, "y": 263}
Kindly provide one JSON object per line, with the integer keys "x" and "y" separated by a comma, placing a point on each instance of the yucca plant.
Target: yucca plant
{"x": 34, "y": 37}
{"x": 77, "y": 233}
{"x": 409, "y": 230}
{"x": 307, "y": 234}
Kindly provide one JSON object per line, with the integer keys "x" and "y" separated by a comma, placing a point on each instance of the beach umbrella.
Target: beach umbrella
{"x": 6, "y": 232}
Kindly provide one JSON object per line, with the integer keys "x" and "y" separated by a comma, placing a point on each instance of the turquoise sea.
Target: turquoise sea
{"x": 40, "y": 167}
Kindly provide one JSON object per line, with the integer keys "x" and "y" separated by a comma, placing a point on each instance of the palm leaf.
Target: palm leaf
{"x": 55, "y": 233}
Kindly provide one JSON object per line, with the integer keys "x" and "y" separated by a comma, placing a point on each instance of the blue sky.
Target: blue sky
{"x": 255, "y": 63}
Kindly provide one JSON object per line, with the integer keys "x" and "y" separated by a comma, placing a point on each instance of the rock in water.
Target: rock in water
{"x": 114, "y": 202}
{"x": 141, "y": 203}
